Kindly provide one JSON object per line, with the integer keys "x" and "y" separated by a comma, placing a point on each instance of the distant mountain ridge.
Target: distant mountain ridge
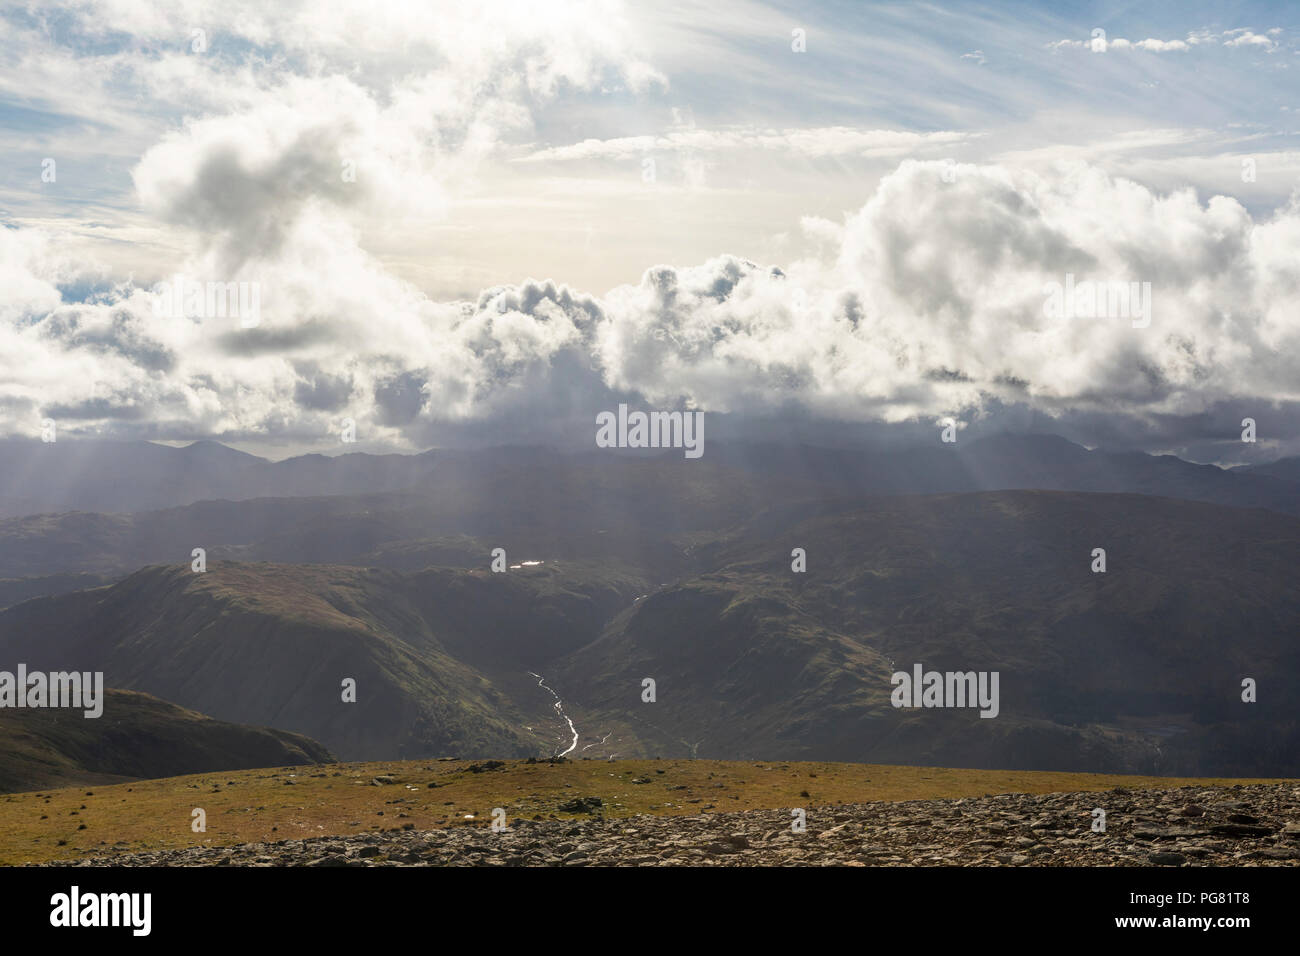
{"x": 128, "y": 476}
{"x": 1288, "y": 469}
{"x": 639, "y": 510}
{"x": 115, "y": 477}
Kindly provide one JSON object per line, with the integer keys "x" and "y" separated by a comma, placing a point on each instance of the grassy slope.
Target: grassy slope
{"x": 269, "y": 645}
{"x": 137, "y": 736}
{"x": 753, "y": 659}
{"x": 340, "y": 799}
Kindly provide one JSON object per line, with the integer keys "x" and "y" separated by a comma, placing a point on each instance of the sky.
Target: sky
{"x": 491, "y": 221}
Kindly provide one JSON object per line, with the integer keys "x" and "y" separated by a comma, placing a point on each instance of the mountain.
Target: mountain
{"x": 1138, "y": 669}
{"x": 1287, "y": 469}
{"x": 17, "y": 590}
{"x": 629, "y": 510}
{"x": 440, "y": 658}
{"x": 137, "y": 737}
{"x": 126, "y": 477}
{"x": 1010, "y": 462}
{"x": 642, "y": 511}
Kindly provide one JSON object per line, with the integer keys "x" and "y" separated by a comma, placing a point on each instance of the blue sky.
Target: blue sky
{"x": 991, "y": 73}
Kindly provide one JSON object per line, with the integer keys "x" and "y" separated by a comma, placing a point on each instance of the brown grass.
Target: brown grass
{"x": 338, "y": 799}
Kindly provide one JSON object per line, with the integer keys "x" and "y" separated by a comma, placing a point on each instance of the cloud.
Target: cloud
{"x": 1245, "y": 38}
{"x": 317, "y": 130}
{"x": 1161, "y": 46}
{"x": 929, "y": 301}
{"x": 935, "y": 305}
{"x": 1101, "y": 44}
{"x": 817, "y": 142}
{"x": 27, "y": 274}
{"x": 1240, "y": 37}
{"x": 300, "y": 154}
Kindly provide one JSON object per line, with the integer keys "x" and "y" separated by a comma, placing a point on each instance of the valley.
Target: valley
{"x": 751, "y": 659}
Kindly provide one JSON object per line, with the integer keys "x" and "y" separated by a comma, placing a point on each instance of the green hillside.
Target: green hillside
{"x": 138, "y": 736}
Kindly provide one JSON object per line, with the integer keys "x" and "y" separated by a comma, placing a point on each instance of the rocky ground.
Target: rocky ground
{"x": 1255, "y": 825}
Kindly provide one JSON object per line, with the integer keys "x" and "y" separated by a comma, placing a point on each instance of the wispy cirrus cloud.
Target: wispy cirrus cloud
{"x": 817, "y": 142}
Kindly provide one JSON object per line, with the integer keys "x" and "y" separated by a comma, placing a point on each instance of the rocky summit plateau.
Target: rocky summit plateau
{"x": 1241, "y": 825}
